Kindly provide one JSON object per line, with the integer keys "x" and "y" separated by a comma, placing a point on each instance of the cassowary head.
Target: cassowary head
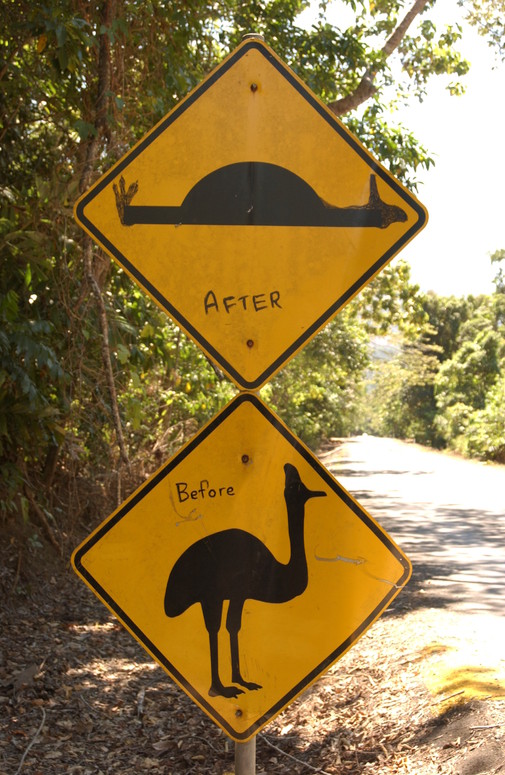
{"x": 295, "y": 492}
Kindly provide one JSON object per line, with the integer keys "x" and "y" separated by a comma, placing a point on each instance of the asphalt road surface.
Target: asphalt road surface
{"x": 446, "y": 513}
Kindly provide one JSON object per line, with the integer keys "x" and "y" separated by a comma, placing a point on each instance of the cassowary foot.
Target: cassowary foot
{"x": 224, "y": 691}
{"x": 236, "y": 677}
{"x": 248, "y": 685}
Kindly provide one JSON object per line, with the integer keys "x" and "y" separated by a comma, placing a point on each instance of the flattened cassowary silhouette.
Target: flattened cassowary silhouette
{"x": 257, "y": 193}
{"x": 236, "y": 566}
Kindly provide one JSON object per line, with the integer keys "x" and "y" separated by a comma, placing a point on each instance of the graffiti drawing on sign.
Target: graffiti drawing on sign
{"x": 257, "y": 194}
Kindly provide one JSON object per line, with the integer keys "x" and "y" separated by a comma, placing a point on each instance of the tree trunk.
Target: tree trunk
{"x": 366, "y": 88}
{"x": 92, "y": 152}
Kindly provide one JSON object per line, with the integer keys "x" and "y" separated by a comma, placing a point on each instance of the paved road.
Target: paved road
{"x": 446, "y": 513}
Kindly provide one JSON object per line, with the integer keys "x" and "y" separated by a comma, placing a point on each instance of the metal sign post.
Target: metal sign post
{"x": 245, "y": 757}
{"x": 280, "y": 215}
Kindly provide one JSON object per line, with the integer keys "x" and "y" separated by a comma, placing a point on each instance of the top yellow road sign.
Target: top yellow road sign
{"x": 243, "y": 567}
{"x": 250, "y": 214}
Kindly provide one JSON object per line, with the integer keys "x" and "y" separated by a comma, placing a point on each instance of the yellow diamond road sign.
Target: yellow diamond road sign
{"x": 250, "y": 214}
{"x": 243, "y": 567}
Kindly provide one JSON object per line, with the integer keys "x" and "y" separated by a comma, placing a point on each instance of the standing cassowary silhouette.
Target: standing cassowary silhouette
{"x": 236, "y": 566}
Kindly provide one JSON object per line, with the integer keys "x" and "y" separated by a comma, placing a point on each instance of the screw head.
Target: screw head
{"x": 252, "y": 36}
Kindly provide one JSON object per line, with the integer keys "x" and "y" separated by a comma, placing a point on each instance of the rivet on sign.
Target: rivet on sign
{"x": 254, "y": 87}
{"x": 250, "y": 343}
{"x": 245, "y": 458}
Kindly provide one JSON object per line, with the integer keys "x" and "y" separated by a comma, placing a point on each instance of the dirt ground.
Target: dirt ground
{"x": 78, "y": 695}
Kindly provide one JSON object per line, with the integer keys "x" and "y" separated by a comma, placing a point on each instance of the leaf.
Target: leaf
{"x": 62, "y": 59}
{"x": 24, "y": 508}
{"x": 61, "y": 35}
{"x": 163, "y": 745}
{"x": 41, "y": 43}
{"x": 8, "y": 194}
{"x": 53, "y": 755}
{"x": 147, "y": 331}
{"x": 28, "y": 275}
{"x": 123, "y": 353}
{"x": 26, "y": 676}
{"x": 84, "y": 129}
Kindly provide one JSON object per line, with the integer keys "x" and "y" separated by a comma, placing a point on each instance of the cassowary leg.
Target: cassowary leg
{"x": 212, "y": 613}
{"x": 233, "y": 625}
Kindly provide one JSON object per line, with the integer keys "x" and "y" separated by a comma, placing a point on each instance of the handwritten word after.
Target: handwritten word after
{"x": 248, "y": 302}
{"x": 184, "y": 493}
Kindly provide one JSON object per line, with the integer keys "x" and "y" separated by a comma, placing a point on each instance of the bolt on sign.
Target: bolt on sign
{"x": 243, "y": 567}
{"x": 250, "y": 214}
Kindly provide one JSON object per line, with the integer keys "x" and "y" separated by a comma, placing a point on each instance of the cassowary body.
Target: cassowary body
{"x": 235, "y": 566}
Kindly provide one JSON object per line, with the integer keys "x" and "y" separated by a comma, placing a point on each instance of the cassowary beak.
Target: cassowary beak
{"x": 293, "y": 480}
{"x": 315, "y": 494}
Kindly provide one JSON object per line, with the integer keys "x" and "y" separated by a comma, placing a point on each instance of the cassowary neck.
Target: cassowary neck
{"x": 296, "y": 520}
{"x": 296, "y": 569}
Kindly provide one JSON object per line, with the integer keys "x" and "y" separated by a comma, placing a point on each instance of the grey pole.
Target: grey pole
{"x": 245, "y": 757}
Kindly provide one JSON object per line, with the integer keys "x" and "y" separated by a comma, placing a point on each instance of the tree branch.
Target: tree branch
{"x": 32, "y": 742}
{"x": 105, "y": 347}
{"x": 43, "y": 520}
{"x": 12, "y": 57}
{"x": 92, "y": 153}
{"x": 102, "y": 99}
{"x": 366, "y": 87}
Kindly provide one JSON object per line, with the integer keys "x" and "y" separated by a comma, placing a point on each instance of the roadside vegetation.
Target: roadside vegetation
{"x": 443, "y": 383}
{"x": 97, "y": 386}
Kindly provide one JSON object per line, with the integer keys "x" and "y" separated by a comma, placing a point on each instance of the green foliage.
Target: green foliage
{"x": 34, "y": 382}
{"x": 429, "y": 52}
{"x": 396, "y": 147}
{"x": 318, "y": 393}
{"x": 497, "y": 257}
{"x": 53, "y": 393}
{"x": 321, "y": 393}
{"x": 400, "y": 400}
{"x": 445, "y": 316}
{"x": 484, "y": 434}
{"x": 80, "y": 84}
{"x": 468, "y": 375}
{"x": 488, "y": 16}
{"x": 167, "y": 387}
{"x": 392, "y": 302}
{"x": 444, "y": 383}
{"x": 469, "y": 384}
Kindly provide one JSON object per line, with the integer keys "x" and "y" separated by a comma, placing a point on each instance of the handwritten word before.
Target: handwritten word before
{"x": 202, "y": 492}
{"x": 248, "y": 302}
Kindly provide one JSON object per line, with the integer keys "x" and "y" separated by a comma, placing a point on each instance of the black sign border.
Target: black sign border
{"x": 164, "y": 303}
{"x": 330, "y": 482}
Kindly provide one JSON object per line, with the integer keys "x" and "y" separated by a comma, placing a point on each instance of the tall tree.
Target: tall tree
{"x": 82, "y": 353}
{"x": 469, "y": 386}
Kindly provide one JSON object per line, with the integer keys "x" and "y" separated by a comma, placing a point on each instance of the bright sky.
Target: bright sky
{"x": 465, "y": 190}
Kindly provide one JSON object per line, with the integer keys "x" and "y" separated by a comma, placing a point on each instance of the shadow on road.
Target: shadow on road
{"x": 457, "y": 547}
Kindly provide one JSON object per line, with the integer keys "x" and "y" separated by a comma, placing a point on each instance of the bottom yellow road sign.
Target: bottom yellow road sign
{"x": 243, "y": 567}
